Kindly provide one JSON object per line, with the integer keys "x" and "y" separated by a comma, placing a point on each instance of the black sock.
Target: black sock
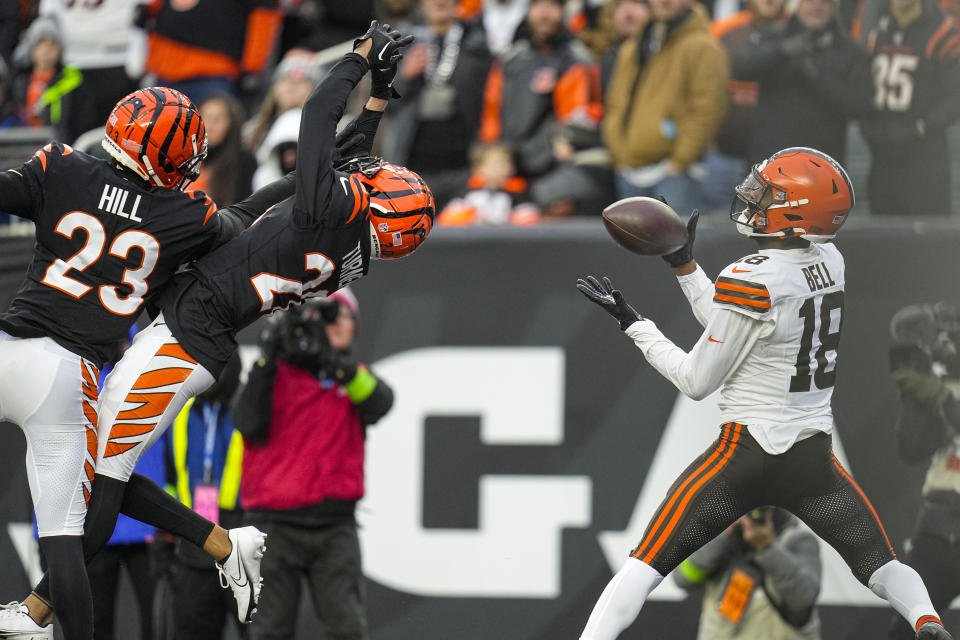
{"x": 69, "y": 585}
{"x": 105, "y": 500}
{"x": 147, "y": 502}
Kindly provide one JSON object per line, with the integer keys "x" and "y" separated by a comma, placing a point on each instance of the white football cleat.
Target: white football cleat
{"x": 16, "y": 624}
{"x": 241, "y": 570}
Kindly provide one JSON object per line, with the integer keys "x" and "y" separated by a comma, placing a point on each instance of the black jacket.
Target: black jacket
{"x": 807, "y": 97}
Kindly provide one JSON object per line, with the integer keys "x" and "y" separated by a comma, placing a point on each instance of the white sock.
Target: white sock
{"x": 903, "y": 588}
{"x": 621, "y": 600}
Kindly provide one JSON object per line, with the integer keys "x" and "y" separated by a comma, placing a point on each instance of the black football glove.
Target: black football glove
{"x": 381, "y": 85}
{"x": 684, "y": 254}
{"x": 386, "y": 51}
{"x": 603, "y": 294}
{"x": 349, "y": 145}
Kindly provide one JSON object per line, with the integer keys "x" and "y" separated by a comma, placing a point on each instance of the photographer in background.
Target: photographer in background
{"x": 761, "y": 579}
{"x": 925, "y": 365}
{"x": 303, "y": 414}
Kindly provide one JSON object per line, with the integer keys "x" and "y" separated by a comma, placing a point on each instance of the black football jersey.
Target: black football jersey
{"x": 307, "y": 246}
{"x": 104, "y": 244}
{"x": 915, "y": 68}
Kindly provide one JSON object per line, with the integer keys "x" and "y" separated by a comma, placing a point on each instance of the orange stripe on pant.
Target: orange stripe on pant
{"x": 681, "y": 509}
{"x": 679, "y": 492}
{"x": 866, "y": 501}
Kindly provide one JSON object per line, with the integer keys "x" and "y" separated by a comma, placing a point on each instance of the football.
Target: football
{"x": 645, "y": 225}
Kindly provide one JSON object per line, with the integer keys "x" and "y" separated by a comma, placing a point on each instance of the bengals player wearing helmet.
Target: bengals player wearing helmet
{"x": 306, "y": 246}
{"x": 772, "y": 323}
{"x": 109, "y": 235}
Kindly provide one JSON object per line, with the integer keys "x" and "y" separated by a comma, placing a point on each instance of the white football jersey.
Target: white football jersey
{"x": 783, "y": 386}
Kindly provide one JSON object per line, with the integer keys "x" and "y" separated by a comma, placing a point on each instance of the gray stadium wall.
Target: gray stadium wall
{"x": 530, "y": 440}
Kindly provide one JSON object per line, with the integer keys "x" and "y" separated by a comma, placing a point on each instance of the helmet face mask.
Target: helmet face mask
{"x": 797, "y": 192}
{"x": 159, "y": 134}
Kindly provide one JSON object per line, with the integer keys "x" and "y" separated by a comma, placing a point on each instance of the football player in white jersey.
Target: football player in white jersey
{"x": 772, "y": 325}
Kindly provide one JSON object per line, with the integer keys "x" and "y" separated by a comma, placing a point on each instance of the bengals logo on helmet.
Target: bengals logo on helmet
{"x": 402, "y": 208}
{"x": 159, "y": 134}
{"x": 797, "y": 192}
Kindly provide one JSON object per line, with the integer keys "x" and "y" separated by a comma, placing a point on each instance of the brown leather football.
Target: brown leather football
{"x": 645, "y": 225}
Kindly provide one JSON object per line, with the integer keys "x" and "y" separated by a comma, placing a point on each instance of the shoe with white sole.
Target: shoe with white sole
{"x": 16, "y": 624}
{"x": 241, "y": 570}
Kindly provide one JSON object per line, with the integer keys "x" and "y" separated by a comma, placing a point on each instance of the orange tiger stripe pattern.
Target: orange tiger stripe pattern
{"x": 90, "y": 375}
{"x": 149, "y": 398}
{"x": 670, "y": 514}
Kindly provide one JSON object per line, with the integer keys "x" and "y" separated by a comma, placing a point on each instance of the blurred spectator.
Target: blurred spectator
{"x": 95, "y": 38}
{"x": 627, "y": 19}
{"x": 432, "y": 127}
{"x": 395, "y": 12}
{"x": 304, "y": 414}
{"x": 543, "y": 99}
{"x": 925, "y": 366}
{"x": 761, "y": 579}
{"x": 8, "y": 110}
{"x": 813, "y": 78}
{"x": 277, "y": 155}
{"x": 291, "y": 84}
{"x": 227, "y": 172}
{"x": 664, "y": 105}
{"x": 496, "y": 194}
{"x": 205, "y": 456}
{"x": 44, "y": 89}
{"x": 202, "y": 46}
{"x": 501, "y": 18}
{"x": 916, "y": 94}
{"x": 728, "y": 158}
{"x": 318, "y": 24}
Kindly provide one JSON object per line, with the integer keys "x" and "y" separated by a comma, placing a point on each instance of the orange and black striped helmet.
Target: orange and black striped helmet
{"x": 796, "y": 192}
{"x": 401, "y": 207}
{"x": 158, "y": 133}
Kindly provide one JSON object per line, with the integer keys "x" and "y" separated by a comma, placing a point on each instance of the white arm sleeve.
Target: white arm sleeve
{"x": 727, "y": 340}
{"x": 698, "y": 287}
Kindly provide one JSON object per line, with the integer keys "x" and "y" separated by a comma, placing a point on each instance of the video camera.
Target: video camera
{"x": 926, "y": 336}
{"x": 299, "y": 335}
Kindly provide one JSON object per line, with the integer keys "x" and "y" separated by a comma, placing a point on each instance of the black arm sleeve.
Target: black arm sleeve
{"x": 237, "y": 217}
{"x": 252, "y": 405}
{"x": 377, "y": 404}
{"x": 316, "y": 181}
{"x": 920, "y": 430}
{"x": 15, "y": 195}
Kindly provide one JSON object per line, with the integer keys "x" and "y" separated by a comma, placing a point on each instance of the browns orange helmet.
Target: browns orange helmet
{"x": 797, "y": 192}
{"x": 158, "y": 133}
{"x": 401, "y": 206}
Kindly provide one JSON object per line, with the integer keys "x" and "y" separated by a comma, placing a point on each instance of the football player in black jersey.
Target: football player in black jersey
{"x": 109, "y": 235}
{"x": 309, "y": 244}
{"x": 915, "y": 53}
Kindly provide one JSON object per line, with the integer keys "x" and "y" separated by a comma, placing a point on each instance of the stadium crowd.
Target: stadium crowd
{"x": 518, "y": 111}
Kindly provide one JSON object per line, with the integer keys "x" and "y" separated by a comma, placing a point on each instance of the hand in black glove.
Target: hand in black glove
{"x": 381, "y": 85}
{"x": 385, "y": 51}
{"x": 341, "y": 367}
{"x": 684, "y": 254}
{"x": 603, "y": 294}
{"x": 349, "y": 144}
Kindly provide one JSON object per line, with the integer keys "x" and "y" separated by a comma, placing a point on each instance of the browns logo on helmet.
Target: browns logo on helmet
{"x": 796, "y": 192}
{"x": 402, "y": 208}
{"x": 159, "y": 134}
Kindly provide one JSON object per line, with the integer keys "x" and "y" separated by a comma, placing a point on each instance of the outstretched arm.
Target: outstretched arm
{"x": 728, "y": 338}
